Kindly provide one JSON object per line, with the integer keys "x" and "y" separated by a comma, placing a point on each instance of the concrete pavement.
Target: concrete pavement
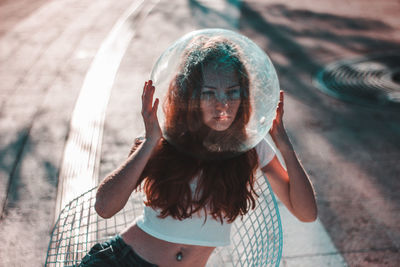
{"x": 45, "y": 54}
{"x": 351, "y": 152}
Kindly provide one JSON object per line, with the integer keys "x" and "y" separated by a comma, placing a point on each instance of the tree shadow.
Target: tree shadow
{"x": 206, "y": 17}
{"x": 12, "y": 156}
{"x": 9, "y": 158}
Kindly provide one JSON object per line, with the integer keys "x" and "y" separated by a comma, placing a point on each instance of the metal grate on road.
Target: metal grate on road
{"x": 370, "y": 80}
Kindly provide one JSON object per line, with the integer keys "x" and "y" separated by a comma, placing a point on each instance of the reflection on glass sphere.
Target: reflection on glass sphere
{"x": 218, "y": 92}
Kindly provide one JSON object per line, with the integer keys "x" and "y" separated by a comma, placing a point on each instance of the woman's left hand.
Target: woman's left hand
{"x": 278, "y": 131}
{"x": 292, "y": 184}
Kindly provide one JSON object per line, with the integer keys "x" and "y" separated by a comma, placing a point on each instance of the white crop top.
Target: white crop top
{"x": 194, "y": 231}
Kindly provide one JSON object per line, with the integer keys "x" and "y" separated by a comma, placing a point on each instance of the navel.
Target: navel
{"x": 179, "y": 256}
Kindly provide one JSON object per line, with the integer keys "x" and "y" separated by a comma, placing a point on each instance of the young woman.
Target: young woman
{"x": 195, "y": 180}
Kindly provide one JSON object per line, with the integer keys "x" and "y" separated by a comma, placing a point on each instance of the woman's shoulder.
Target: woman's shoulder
{"x": 265, "y": 151}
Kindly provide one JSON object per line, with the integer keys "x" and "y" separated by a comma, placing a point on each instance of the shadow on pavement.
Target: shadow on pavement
{"x": 350, "y": 151}
{"x": 12, "y": 156}
{"x": 13, "y": 12}
{"x": 206, "y": 17}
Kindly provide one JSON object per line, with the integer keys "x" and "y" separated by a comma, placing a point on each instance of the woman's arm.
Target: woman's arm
{"x": 115, "y": 189}
{"x": 293, "y": 187}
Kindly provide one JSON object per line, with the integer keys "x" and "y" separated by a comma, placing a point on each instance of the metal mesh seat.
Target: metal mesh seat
{"x": 255, "y": 241}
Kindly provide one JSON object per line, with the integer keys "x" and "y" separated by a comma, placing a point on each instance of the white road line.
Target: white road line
{"x": 80, "y": 166}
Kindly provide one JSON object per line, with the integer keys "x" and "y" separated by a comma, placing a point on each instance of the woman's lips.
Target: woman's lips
{"x": 222, "y": 118}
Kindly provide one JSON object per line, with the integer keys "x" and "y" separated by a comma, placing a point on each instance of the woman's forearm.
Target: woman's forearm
{"x": 115, "y": 189}
{"x": 301, "y": 192}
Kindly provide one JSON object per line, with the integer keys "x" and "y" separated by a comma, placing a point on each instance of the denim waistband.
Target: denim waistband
{"x": 114, "y": 252}
{"x": 126, "y": 249}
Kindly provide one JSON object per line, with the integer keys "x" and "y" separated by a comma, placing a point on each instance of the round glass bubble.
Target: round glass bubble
{"x": 183, "y": 125}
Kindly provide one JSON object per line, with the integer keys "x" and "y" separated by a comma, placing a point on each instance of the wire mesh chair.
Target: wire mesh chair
{"x": 255, "y": 241}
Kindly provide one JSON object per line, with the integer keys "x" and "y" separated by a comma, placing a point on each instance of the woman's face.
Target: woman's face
{"x": 220, "y": 97}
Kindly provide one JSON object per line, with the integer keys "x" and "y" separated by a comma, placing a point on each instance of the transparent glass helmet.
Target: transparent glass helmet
{"x": 219, "y": 92}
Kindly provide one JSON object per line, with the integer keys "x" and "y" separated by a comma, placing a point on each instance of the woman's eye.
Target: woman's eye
{"x": 234, "y": 94}
{"x": 207, "y": 94}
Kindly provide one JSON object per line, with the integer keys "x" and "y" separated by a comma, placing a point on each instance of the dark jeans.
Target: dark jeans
{"x": 114, "y": 252}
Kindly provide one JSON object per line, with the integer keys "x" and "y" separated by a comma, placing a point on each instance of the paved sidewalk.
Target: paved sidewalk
{"x": 351, "y": 152}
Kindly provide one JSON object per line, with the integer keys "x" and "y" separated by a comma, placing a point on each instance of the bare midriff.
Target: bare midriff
{"x": 164, "y": 253}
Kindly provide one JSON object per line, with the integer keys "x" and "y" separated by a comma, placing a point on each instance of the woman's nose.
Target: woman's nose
{"x": 221, "y": 104}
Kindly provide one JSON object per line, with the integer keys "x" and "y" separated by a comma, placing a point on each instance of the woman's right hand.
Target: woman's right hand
{"x": 149, "y": 113}
{"x": 116, "y": 188}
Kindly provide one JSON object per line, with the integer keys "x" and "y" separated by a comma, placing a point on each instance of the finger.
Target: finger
{"x": 144, "y": 89}
{"x": 155, "y": 107}
{"x": 278, "y": 117}
{"x": 280, "y": 104}
{"x": 151, "y": 96}
{"x": 144, "y": 104}
{"x": 148, "y": 97}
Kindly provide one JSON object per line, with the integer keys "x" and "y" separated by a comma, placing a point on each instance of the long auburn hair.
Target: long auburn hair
{"x": 225, "y": 177}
